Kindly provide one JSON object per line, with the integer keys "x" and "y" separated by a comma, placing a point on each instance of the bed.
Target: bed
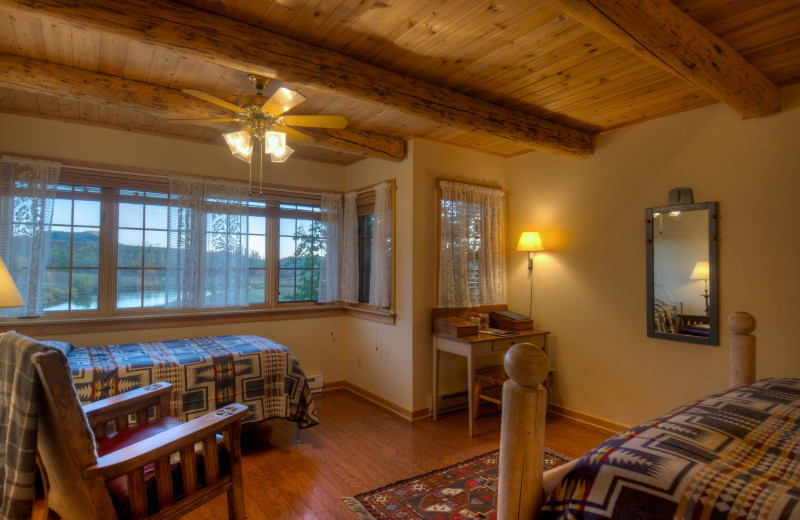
{"x": 206, "y": 373}
{"x": 734, "y": 454}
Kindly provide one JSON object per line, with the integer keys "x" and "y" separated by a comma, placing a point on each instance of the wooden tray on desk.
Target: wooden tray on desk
{"x": 454, "y": 326}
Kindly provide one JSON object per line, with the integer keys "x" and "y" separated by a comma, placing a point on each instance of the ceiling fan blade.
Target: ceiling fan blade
{"x": 208, "y": 120}
{"x": 296, "y": 137}
{"x": 282, "y": 100}
{"x": 319, "y": 121}
{"x": 212, "y": 99}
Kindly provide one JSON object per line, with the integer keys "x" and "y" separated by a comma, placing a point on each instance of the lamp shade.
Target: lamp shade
{"x": 281, "y": 157}
{"x": 274, "y": 143}
{"x": 9, "y": 295}
{"x": 240, "y": 144}
{"x": 530, "y": 241}
{"x": 700, "y": 271}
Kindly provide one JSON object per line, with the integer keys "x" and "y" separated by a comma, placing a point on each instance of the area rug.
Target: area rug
{"x": 464, "y": 491}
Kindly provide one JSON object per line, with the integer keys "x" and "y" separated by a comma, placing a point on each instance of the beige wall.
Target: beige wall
{"x": 590, "y": 289}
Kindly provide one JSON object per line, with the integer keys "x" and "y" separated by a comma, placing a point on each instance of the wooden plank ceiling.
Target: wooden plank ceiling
{"x": 504, "y": 77}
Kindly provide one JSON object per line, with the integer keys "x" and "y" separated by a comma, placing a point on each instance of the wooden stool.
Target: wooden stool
{"x": 492, "y": 378}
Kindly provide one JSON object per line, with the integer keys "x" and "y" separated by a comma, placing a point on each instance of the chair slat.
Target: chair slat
{"x": 188, "y": 470}
{"x": 164, "y": 482}
{"x": 211, "y": 459}
{"x": 137, "y": 493}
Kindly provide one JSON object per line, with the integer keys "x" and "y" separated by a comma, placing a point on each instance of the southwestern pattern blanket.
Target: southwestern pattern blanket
{"x": 206, "y": 373}
{"x": 730, "y": 455}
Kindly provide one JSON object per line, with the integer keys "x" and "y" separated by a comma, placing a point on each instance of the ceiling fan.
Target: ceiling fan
{"x": 265, "y": 127}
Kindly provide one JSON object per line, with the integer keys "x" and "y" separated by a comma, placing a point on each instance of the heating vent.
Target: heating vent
{"x": 452, "y": 402}
{"x": 315, "y": 383}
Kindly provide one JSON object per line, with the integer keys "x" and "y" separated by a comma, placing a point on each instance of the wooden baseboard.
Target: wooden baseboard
{"x": 588, "y": 419}
{"x": 375, "y": 398}
{"x": 422, "y": 413}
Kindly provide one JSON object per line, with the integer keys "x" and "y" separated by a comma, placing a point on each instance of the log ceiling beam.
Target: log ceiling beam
{"x": 41, "y": 77}
{"x": 237, "y": 45}
{"x": 658, "y": 31}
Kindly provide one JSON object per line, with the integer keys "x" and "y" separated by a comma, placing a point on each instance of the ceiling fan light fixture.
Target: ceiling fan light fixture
{"x": 274, "y": 143}
{"x": 281, "y": 157}
{"x": 240, "y": 144}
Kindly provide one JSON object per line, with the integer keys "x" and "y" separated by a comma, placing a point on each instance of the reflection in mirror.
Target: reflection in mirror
{"x": 682, "y": 268}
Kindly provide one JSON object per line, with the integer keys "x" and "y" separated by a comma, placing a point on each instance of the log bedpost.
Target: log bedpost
{"x": 743, "y": 349}
{"x": 522, "y": 442}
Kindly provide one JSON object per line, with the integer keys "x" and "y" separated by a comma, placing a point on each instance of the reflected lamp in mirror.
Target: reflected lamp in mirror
{"x": 9, "y": 295}
{"x": 700, "y": 272}
{"x": 530, "y": 241}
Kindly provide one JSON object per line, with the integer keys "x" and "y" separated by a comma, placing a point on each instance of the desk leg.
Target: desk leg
{"x": 470, "y": 390}
{"x": 435, "y": 394}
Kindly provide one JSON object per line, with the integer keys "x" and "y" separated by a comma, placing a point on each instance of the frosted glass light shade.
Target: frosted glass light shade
{"x": 9, "y": 295}
{"x": 530, "y": 241}
{"x": 240, "y": 144}
{"x": 700, "y": 271}
{"x": 281, "y": 157}
{"x": 274, "y": 143}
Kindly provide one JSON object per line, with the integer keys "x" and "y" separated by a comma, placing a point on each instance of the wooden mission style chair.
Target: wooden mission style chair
{"x": 156, "y": 468}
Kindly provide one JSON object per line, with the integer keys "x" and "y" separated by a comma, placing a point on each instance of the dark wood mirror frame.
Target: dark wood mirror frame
{"x": 680, "y": 199}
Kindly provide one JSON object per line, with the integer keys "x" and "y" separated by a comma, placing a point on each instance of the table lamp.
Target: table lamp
{"x": 9, "y": 295}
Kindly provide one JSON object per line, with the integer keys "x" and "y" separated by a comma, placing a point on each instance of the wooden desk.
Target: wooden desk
{"x": 473, "y": 347}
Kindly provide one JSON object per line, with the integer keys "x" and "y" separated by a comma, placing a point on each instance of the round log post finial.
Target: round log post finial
{"x": 743, "y": 349}
{"x": 526, "y": 365}
{"x": 741, "y": 323}
{"x": 519, "y": 493}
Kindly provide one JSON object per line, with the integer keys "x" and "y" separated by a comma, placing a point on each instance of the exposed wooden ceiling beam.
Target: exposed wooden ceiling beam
{"x": 659, "y": 32}
{"x": 42, "y": 77}
{"x": 236, "y": 45}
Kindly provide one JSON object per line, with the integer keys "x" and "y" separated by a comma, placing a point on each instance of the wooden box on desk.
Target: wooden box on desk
{"x": 457, "y": 327}
{"x": 500, "y": 322}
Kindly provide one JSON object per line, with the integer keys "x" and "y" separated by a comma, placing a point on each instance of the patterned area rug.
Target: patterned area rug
{"x": 464, "y": 491}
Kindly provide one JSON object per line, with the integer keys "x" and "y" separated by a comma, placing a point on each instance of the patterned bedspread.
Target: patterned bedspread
{"x": 206, "y": 373}
{"x": 732, "y": 455}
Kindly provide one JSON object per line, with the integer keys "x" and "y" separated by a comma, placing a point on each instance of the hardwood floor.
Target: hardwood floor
{"x": 359, "y": 446}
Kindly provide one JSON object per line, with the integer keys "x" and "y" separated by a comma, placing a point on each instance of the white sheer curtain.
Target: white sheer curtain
{"x": 380, "y": 280}
{"x": 207, "y": 257}
{"x": 350, "y": 249}
{"x": 472, "y": 269}
{"x": 27, "y": 193}
{"x": 331, "y": 208}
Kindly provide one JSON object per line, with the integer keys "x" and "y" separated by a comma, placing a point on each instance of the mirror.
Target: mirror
{"x": 682, "y": 299}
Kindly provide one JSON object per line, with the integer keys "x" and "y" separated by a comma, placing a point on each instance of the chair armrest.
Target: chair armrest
{"x": 163, "y": 444}
{"x": 125, "y": 403}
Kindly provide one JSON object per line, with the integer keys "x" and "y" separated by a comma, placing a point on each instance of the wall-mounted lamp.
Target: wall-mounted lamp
{"x": 530, "y": 242}
{"x": 700, "y": 272}
{"x": 9, "y": 295}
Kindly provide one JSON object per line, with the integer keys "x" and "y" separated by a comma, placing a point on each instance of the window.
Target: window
{"x": 112, "y": 246}
{"x": 301, "y": 250}
{"x": 364, "y": 255}
{"x": 73, "y": 265}
{"x": 471, "y": 264}
{"x": 109, "y": 247}
{"x": 141, "y": 250}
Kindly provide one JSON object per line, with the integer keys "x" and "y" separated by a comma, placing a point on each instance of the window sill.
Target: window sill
{"x": 371, "y": 314}
{"x": 49, "y": 326}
